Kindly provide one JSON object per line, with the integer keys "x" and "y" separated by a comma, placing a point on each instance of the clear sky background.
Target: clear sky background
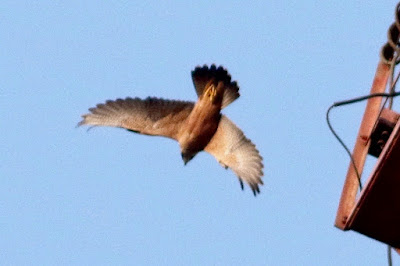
{"x": 108, "y": 196}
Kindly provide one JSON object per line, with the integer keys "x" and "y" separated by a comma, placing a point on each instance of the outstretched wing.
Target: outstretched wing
{"x": 202, "y": 75}
{"x": 151, "y": 116}
{"x": 232, "y": 149}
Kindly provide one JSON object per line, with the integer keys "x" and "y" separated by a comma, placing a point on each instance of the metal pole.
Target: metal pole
{"x": 360, "y": 151}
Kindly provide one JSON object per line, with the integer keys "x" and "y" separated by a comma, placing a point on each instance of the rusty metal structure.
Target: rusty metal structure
{"x": 375, "y": 212}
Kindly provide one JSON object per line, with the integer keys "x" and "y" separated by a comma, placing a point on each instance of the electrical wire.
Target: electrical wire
{"x": 389, "y": 255}
{"x": 352, "y": 101}
{"x": 343, "y": 144}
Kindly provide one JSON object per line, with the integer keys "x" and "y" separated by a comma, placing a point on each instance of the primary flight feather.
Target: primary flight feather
{"x": 196, "y": 126}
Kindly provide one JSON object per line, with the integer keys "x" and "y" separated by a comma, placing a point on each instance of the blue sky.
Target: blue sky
{"x": 107, "y": 196}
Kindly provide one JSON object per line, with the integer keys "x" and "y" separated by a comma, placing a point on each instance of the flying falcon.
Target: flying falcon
{"x": 196, "y": 126}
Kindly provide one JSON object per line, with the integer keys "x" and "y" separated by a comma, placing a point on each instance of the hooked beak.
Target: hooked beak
{"x": 185, "y": 158}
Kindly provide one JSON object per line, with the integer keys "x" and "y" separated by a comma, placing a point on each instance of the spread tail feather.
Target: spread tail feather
{"x": 202, "y": 75}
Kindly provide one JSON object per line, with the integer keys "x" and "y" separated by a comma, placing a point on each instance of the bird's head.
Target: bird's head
{"x": 187, "y": 155}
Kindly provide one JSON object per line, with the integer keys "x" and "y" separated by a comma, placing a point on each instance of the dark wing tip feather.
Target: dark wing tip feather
{"x": 255, "y": 188}
{"x": 83, "y": 122}
{"x": 241, "y": 184}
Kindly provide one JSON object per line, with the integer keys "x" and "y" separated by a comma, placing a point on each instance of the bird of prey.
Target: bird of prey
{"x": 196, "y": 126}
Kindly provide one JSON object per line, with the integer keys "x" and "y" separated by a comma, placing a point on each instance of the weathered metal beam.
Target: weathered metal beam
{"x": 361, "y": 147}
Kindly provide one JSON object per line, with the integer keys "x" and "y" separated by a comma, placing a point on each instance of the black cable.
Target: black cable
{"x": 389, "y": 255}
{"x": 366, "y": 97}
{"x": 391, "y": 82}
{"x": 351, "y": 101}
{"x": 343, "y": 144}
